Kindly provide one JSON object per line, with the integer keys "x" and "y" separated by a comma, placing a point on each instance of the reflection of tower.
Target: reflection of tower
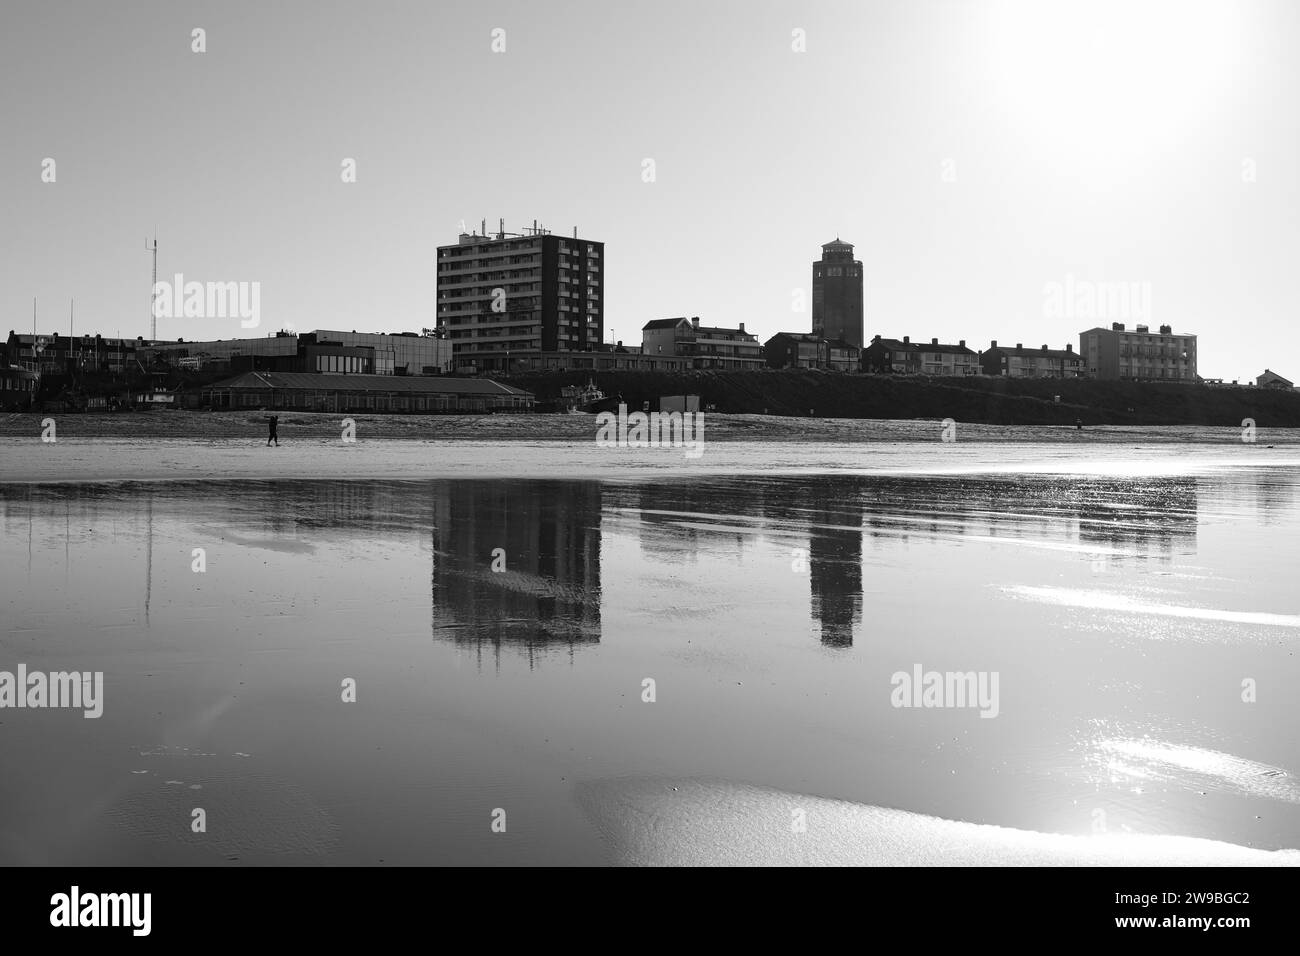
{"x": 835, "y": 564}
{"x": 517, "y": 563}
{"x": 148, "y": 560}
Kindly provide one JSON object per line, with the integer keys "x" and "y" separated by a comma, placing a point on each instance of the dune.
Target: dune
{"x": 697, "y": 822}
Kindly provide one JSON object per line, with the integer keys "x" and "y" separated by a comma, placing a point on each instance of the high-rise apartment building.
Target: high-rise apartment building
{"x": 837, "y": 294}
{"x": 505, "y": 298}
{"x": 1117, "y": 353}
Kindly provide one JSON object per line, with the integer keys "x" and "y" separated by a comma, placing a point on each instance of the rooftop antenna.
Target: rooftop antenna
{"x": 501, "y": 229}
{"x": 153, "y": 290}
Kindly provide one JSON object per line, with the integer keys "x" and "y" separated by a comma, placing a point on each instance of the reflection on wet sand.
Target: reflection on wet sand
{"x": 1122, "y": 682}
{"x": 827, "y": 517}
{"x": 543, "y": 587}
{"x": 517, "y": 564}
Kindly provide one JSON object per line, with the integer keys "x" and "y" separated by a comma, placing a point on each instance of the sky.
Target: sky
{"x": 982, "y": 156}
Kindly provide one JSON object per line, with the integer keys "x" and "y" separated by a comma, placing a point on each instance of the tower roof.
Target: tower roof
{"x": 838, "y": 243}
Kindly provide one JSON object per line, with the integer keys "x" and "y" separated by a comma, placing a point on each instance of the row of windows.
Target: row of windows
{"x": 330, "y": 400}
{"x": 346, "y": 364}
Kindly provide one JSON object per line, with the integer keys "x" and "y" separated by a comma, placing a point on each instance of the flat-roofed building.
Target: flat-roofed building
{"x": 1138, "y": 354}
{"x": 507, "y": 297}
{"x": 324, "y": 351}
{"x": 313, "y": 391}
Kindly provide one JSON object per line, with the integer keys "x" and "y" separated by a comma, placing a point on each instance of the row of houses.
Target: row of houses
{"x": 56, "y": 354}
{"x": 1116, "y": 353}
{"x": 905, "y": 357}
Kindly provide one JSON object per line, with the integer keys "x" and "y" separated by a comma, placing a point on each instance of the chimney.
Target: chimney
{"x": 934, "y": 341}
{"x": 1166, "y": 330}
{"x": 695, "y": 321}
{"x": 1044, "y": 346}
{"x": 961, "y": 342}
{"x": 1117, "y": 326}
{"x": 1069, "y": 347}
{"x": 906, "y": 340}
{"x": 1019, "y": 346}
{"x": 993, "y": 344}
{"x": 875, "y": 338}
{"x": 742, "y": 326}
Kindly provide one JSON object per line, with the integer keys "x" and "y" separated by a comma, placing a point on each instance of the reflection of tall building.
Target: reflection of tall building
{"x": 517, "y": 564}
{"x": 835, "y": 562}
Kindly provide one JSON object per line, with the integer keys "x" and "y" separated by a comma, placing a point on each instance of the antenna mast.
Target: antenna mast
{"x": 153, "y": 290}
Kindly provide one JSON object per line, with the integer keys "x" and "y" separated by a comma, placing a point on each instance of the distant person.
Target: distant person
{"x": 272, "y": 422}
{"x": 1078, "y": 424}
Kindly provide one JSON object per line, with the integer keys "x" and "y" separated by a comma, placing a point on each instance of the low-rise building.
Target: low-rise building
{"x": 1139, "y": 354}
{"x": 905, "y": 357}
{"x": 891, "y": 356}
{"x": 705, "y": 346}
{"x": 312, "y": 391}
{"x": 809, "y": 350}
{"x": 938, "y": 358}
{"x": 1020, "y": 362}
{"x": 1271, "y": 379}
{"x": 324, "y": 351}
{"x": 56, "y": 354}
{"x": 603, "y": 358}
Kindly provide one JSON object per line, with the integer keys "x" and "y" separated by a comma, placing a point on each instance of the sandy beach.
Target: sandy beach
{"x": 250, "y": 426}
{"x": 232, "y": 445}
{"x": 700, "y": 822}
{"x": 162, "y": 459}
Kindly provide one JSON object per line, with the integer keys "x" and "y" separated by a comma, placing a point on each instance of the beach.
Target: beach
{"x": 500, "y": 605}
{"x": 172, "y": 445}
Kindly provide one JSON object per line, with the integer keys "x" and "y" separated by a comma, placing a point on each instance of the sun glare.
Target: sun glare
{"x": 1108, "y": 80}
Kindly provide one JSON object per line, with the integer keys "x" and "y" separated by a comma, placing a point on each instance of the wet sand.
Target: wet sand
{"x": 250, "y": 427}
{"x": 692, "y": 822}
{"x": 159, "y": 459}
{"x": 1121, "y": 612}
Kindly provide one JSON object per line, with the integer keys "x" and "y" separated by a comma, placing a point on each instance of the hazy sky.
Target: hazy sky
{"x": 973, "y": 151}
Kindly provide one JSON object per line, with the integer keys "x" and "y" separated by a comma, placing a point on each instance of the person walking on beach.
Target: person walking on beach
{"x": 272, "y": 436}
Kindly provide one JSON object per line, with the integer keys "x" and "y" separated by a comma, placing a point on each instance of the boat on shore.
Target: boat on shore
{"x": 581, "y": 399}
